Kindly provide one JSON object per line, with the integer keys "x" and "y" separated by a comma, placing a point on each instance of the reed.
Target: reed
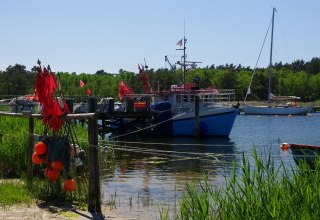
{"x": 256, "y": 191}
{"x": 13, "y": 146}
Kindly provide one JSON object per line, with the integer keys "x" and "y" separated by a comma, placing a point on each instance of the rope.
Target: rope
{"x": 157, "y": 143}
{"x": 163, "y": 153}
{"x": 255, "y": 67}
{"x": 151, "y": 126}
{"x": 92, "y": 145}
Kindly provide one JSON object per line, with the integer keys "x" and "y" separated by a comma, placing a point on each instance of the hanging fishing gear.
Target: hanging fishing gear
{"x": 58, "y": 147}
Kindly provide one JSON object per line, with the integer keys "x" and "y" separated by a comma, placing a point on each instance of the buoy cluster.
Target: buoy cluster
{"x": 53, "y": 169}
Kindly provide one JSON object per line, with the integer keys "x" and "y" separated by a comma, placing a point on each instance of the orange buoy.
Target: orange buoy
{"x": 57, "y": 165}
{"x": 70, "y": 185}
{"x": 285, "y": 146}
{"x": 40, "y": 147}
{"x": 36, "y": 159}
{"x": 52, "y": 174}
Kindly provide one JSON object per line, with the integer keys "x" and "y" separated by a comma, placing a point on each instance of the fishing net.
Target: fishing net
{"x": 63, "y": 158}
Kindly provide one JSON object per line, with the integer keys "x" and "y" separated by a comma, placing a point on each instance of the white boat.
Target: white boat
{"x": 279, "y": 110}
{"x": 273, "y": 107}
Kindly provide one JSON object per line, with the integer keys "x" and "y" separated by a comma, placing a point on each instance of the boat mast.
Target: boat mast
{"x": 270, "y": 64}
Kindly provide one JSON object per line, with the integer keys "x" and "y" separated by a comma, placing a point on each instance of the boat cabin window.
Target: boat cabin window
{"x": 185, "y": 98}
{"x": 178, "y": 98}
{"x": 206, "y": 98}
{"x": 192, "y": 98}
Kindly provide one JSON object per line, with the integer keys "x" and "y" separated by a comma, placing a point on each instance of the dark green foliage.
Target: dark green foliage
{"x": 16, "y": 80}
{"x": 299, "y": 78}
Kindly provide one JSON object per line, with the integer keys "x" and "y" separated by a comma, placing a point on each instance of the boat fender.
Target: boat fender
{"x": 284, "y": 146}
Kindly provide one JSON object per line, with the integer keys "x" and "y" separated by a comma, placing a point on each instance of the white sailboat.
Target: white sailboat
{"x": 281, "y": 109}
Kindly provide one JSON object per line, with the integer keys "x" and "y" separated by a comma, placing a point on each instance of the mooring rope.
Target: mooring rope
{"x": 149, "y": 127}
{"x": 164, "y": 143}
{"x": 175, "y": 154}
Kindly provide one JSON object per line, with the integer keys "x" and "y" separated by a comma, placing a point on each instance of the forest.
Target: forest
{"x": 300, "y": 78}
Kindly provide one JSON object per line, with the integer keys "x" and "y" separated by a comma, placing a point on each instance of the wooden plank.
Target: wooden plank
{"x": 68, "y": 116}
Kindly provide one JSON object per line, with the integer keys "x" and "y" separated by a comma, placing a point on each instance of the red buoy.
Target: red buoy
{"x": 69, "y": 185}
{"x": 36, "y": 159}
{"x": 40, "y": 147}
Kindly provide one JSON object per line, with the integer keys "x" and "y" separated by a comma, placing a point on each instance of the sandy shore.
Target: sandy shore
{"x": 55, "y": 212}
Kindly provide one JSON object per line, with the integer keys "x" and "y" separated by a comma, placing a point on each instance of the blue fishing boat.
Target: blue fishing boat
{"x": 186, "y": 109}
{"x": 175, "y": 112}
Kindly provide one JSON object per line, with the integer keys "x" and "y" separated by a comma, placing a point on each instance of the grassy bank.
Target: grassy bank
{"x": 14, "y": 192}
{"x": 13, "y": 162}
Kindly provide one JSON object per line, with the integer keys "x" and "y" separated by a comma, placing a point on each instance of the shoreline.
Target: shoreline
{"x": 66, "y": 211}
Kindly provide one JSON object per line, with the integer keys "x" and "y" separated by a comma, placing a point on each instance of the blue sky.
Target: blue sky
{"x": 89, "y": 35}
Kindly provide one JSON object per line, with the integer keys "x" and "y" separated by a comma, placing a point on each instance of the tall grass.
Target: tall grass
{"x": 13, "y": 161}
{"x": 256, "y": 191}
{"x": 13, "y": 146}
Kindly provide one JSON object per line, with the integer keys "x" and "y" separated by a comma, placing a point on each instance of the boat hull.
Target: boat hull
{"x": 217, "y": 122}
{"x": 307, "y": 153}
{"x": 265, "y": 110}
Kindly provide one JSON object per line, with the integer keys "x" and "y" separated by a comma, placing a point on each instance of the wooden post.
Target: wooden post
{"x": 30, "y": 149}
{"x": 196, "y": 112}
{"x": 69, "y": 102}
{"x": 94, "y": 197}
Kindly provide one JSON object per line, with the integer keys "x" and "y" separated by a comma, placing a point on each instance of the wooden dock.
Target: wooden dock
{"x": 123, "y": 122}
{"x": 316, "y": 109}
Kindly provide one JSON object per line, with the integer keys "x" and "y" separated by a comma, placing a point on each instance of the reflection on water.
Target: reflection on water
{"x": 155, "y": 170}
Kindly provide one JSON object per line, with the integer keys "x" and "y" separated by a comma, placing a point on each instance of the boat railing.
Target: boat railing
{"x": 225, "y": 95}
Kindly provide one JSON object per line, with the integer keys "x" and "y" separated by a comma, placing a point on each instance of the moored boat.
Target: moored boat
{"x": 278, "y": 110}
{"x": 303, "y": 152}
{"x": 186, "y": 109}
{"x": 275, "y": 109}
{"x": 214, "y": 119}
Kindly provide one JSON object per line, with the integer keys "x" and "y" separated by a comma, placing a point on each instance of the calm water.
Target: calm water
{"x": 154, "y": 171}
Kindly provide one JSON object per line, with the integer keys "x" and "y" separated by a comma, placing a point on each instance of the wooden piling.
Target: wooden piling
{"x": 30, "y": 149}
{"x": 196, "y": 112}
{"x": 94, "y": 194}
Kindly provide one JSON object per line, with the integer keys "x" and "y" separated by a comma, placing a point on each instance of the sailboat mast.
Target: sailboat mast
{"x": 270, "y": 64}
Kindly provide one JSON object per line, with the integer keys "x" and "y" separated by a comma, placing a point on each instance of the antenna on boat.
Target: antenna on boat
{"x": 145, "y": 64}
{"x": 183, "y": 60}
{"x": 184, "y": 51}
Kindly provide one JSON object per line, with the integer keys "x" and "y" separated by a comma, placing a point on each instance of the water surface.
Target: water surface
{"x": 154, "y": 171}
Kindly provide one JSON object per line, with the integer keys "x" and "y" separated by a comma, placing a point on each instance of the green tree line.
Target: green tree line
{"x": 299, "y": 78}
